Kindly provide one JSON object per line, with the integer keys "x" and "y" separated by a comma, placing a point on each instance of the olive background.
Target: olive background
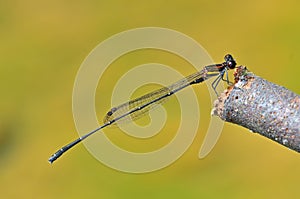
{"x": 42, "y": 45}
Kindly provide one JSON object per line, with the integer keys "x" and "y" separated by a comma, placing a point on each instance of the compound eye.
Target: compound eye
{"x": 231, "y": 64}
{"x": 228, "y": 57}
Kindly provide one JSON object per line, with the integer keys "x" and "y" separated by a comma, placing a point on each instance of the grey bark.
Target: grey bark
{"x": 263, "y": 107}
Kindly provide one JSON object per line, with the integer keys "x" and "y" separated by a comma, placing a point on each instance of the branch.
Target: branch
{"x": 262, "y": 107}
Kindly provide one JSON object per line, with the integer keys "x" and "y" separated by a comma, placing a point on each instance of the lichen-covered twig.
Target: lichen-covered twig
{"x": 263, "y": 107}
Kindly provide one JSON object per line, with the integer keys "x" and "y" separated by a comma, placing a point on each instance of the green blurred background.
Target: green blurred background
{"x": 42, "y": 45}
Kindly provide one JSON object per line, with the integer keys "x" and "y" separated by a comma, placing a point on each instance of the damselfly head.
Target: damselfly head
{"x": 229, "y": 61}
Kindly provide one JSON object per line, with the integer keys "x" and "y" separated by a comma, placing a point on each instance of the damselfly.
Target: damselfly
{"x": 139, "y": 106}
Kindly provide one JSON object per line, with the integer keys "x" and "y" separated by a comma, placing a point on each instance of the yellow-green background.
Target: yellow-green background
{"x": 42, "y": 45}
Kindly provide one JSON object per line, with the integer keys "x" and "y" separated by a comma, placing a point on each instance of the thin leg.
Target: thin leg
{"x": 227, "y": 79}
{"x": 216, "y": 82}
